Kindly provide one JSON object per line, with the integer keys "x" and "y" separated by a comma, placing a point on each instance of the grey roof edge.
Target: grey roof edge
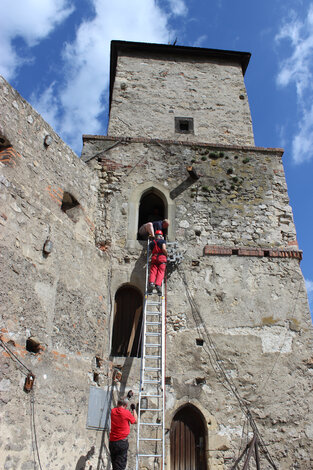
{"x": 242, "y": 58}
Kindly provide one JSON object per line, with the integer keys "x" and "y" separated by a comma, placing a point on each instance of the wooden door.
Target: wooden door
{"x": 188, "y": 440}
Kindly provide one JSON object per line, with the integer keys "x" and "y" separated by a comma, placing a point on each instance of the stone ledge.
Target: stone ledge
{"x": 219, "y": 250}
{"x": 146, "y": 140}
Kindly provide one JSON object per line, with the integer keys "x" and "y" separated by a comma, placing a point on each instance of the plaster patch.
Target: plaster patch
{"x": 228, "y": 431}
{"x": 170, "y": 401}
{"x": 5, "y": 385}
{"x": 274, "y": 339}
{"x": 47, "y": 297}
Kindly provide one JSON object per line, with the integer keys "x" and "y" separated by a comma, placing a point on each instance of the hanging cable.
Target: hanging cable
{"x": 217, "y": 365}
{"x": 14, "y": 357}
{"x": 26, "y": 372}
{"x": 33, "y": 428}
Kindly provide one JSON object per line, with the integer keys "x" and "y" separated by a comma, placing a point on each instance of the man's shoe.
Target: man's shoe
{"x": 150, "y": 288}
{"x": 159, "y": 290}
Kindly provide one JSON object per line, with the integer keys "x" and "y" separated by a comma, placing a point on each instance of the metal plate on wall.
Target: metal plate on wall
{"x": 99, "y": 407}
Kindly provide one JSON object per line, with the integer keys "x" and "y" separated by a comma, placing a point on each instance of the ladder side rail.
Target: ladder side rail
{"x": 163, "y": 373}
{"x": 143, "y": 351}
{"x": 140, "y": 384}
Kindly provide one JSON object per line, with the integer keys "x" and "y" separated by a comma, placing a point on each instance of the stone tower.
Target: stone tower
{"x": 238, "y": 359}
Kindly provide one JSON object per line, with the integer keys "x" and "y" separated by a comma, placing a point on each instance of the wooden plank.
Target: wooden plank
{"x": 133, "y": 330}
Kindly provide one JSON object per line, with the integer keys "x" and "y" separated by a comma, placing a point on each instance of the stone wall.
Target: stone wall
{"x": 149, "y": 92}
{"x": 60, "y": 298}
{"x": 235, "y": 228}
{"x": 240, "y": 198}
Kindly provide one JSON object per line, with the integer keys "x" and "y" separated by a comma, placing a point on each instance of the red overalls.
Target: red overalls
{"x": 157, "y": 265}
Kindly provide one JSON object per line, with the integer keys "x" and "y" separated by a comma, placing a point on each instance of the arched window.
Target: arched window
{"x": 149, "y": 198}
{"x": 126, "y": 337}
{"x": 151, "y": 208}
{"x": 188, "y": 439}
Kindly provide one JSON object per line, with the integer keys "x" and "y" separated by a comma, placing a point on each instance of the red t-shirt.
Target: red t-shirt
{"x": 120, "y": 418}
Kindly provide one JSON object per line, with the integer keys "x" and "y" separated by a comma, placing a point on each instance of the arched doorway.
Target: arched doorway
{"x": 151, "y": 208}
{"x": 126, "y": 336}
{"x": 188, "y": 440}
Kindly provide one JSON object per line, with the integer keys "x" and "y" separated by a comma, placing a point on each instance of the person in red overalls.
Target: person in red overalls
{"x": 158, "y": 262}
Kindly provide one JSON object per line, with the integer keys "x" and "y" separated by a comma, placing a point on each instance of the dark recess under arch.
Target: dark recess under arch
{"x": 151, "y": 208}
{"x": 126, "y": 341}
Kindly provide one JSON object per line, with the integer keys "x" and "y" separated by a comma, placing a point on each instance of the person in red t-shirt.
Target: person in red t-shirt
{"x": 120, "y": 419}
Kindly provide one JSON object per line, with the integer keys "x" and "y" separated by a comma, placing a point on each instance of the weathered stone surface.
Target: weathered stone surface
{"x": 60, "y": 299}
{"x": 149, "y": 92}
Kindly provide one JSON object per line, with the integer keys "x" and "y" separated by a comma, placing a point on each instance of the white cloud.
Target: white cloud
{"x": 49, "y": 103}
{"x": 178, "y": 7}
{"x": 309, "y": 287}
{"x": 200, "y": 41}
{"x": 31, "y": 20}
{"x": 86, "y": 62}
{"x": 302, "y": 145}
{"x": 297, "y": 69}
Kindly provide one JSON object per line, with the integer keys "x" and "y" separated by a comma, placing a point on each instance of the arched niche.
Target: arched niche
{"x": 188, "y": 437}
{"x": 158, "y": 194}
{"x": 126, "y": 337}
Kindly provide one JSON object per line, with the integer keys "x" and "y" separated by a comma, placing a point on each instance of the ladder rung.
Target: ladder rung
{"x": 153, "y": 334}
{"x": 151, "y": 396}
{"x": 151, "y": 381}
{"x": 153, "y": 323}
{"x": 152, "y": 368}
{"x": 150, "y": 439}
{"x": 150, "y": 409}
{"x": 153, "y": 313}
{"x": 154, "y": 302}
{"x": 153, "y": 357}
{"x": 151, "y": 345}
{"x": 151, "y": 424}
{"x": 149, "y": 455}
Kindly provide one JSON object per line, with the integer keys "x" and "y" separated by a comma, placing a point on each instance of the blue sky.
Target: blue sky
{"x": 56, "y": 54}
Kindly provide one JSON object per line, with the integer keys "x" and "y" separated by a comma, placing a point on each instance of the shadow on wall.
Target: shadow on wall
{"x": 106, "y": 432}
{"x": 81, "y": 464}
{"x": 139, "y": 271}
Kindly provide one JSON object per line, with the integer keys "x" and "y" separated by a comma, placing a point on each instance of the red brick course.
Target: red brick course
{"x": 212, "y": 250}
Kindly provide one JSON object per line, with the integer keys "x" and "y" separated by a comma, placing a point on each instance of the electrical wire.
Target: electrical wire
{"x": 221, "y": 374}
{"x": 14, "y": 357}
{"x": 33, "y": 427}
{"x": 32, "y": 400}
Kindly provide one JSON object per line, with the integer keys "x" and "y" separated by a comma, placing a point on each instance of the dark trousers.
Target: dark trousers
{"x": 118, "y": 451}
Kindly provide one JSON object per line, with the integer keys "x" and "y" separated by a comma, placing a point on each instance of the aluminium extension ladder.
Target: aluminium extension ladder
{"x": 150, "y": 431}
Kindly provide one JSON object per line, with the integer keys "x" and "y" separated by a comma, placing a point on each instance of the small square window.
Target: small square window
{"x": 184, "y": 125}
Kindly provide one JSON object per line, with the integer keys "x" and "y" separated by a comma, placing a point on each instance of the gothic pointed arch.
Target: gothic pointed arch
{"x": 126, "y": 332}
{"x": 188, "y": 439}
{"x": 148, "y": 200}
{"x": 152, "y": 207}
